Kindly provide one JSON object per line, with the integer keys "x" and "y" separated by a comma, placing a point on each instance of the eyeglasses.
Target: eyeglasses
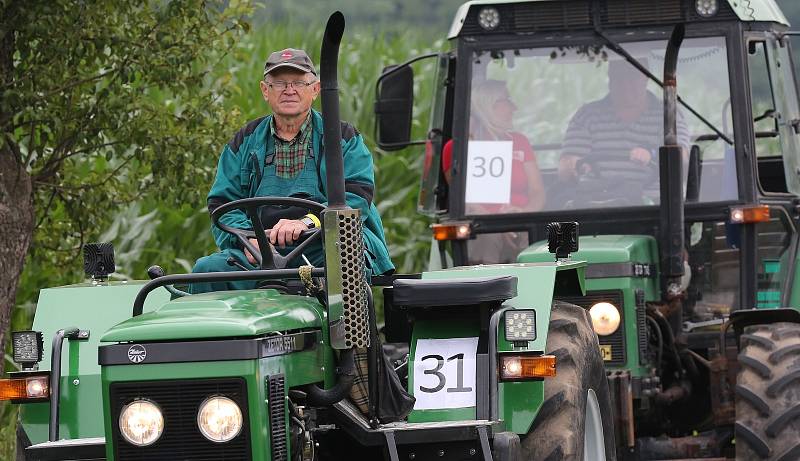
{"x": 280, "y": 85}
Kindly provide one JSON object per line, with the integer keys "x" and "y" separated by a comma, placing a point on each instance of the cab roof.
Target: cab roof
{"x": 745, "y": 10}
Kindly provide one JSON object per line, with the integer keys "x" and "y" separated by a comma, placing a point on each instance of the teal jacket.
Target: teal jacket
{"x": 241, "y": 167}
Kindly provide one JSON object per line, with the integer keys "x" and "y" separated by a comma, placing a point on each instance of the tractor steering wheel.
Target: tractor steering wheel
{"x": 266, "y": 255}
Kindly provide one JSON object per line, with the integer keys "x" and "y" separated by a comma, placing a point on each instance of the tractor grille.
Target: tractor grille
{"x": 641, "y": 324}
{"x": 179, "y": 401}
{"x": 615, "y": 340}
{"x": 553, "y": 15}
{"x": 637, "y": 12}
{"x": 543, "y": 16}
{"x": 277, "y": 417}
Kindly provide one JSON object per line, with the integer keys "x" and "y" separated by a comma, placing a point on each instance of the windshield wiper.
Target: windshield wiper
{"x": 615, "y": 47}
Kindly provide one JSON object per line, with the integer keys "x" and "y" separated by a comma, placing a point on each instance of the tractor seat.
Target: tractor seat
{"x": 454, "y": 292}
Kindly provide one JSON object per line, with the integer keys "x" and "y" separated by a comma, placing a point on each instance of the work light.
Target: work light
{"x": 489, "y": 18}
{"x": 27, "y": 347}
{"x": 219, "y": 419}
{"x": 605, "y": 318}
{"x": 141, "y": 422}
{"x": 520, "y": 325}
{"x": 706, "y": 8}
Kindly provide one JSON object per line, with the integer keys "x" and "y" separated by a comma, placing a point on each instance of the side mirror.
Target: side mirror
{"x": 394, "y": 101}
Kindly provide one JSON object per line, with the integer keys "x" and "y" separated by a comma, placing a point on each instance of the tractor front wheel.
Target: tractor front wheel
{"x": 573, "y": 423}
{"x": 768, "y": 393}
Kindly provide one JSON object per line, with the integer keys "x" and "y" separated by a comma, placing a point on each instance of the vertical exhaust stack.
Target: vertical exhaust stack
{"x": 671, "y": 175}
{"x": 344, "y": 243}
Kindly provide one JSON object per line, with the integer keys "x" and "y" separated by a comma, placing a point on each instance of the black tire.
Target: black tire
{"x": 768, "y": 393}
{"x": 557, "y": 432}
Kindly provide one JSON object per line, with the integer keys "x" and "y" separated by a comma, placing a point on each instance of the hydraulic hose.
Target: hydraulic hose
{"x": 347, "y": 374}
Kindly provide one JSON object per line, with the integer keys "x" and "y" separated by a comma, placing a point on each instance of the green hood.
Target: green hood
{"x": 601, "y": 249}
{"x": 222, "y": 314}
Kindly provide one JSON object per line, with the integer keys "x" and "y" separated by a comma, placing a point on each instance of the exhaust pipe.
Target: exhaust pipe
{"x": 671, "y": 176}
{"x": 332, "y": 129}
{"x": 334, "y": 164}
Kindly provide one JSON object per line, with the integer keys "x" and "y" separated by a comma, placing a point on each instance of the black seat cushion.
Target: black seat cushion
{"x": 454, "y": 292}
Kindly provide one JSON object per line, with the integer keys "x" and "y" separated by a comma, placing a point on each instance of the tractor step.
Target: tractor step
{"x": 403, "y": 433}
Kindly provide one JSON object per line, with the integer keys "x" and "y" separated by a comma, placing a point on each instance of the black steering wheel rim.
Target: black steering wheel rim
{"x": 266, "y": 255}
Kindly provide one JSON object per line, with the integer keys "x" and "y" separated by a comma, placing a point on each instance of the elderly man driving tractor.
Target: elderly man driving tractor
{"x": 282, "y": 155}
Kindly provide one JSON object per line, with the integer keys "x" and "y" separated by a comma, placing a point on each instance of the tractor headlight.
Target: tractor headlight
{"x": 520, "y": 325}
{"x": 605, "y": 318}
{"x": 219, "y": 419}
{"x": 706, "y": 8}
{"x": 489, "y": 18}
{"x": 141, "y": 422}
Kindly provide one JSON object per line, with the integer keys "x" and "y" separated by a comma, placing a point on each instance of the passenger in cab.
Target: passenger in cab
{"x": 617, "y": 137}
{"x": 492, "y": 119}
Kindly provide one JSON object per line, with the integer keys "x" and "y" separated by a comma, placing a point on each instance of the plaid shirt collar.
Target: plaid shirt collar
{"x": 290, "y": 156}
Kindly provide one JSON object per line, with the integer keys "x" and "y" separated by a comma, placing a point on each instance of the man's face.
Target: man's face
{"x": 625, "y": 83}
{"x": 295, "y": 99}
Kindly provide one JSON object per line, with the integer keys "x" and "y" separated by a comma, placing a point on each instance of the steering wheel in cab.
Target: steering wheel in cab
{"x": 266, "y": 255}
{"x": 599, "y": 186}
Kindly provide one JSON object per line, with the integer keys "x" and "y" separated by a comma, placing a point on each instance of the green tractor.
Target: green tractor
{"x": 144, "y": 371}
{"x": 671, "y": 131}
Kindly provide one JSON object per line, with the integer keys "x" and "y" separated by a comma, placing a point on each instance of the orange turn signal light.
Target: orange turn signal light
{"x": 36, "y": 387}
{"x": 519, "y": 367}
{"x": 749, "y": 214}
{"x": 452, "y": 231}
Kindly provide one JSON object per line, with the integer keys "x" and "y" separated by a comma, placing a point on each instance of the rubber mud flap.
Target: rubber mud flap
{"x": 506, "y": 447}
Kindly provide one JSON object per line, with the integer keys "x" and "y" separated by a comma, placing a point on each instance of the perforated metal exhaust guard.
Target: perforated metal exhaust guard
{"x": 346, "y": 285}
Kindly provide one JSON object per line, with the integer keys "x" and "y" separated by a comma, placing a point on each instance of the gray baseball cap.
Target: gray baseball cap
{"x": 290, "y": 57}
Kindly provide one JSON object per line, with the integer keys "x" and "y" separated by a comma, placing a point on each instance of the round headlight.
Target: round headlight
{"x": 706, "y": 8}
{"x": 141, "y": 422}
{"x": 489, "y": 18}
{"x": 219, "y": 419}
{"x": 605, "y": 318}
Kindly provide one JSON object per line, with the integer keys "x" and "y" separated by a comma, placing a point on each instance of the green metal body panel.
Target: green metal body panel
{"x": 519, "y": 402}
{"x": 606, "y": 249}
{"x": 221, "y": 315}
{"x": 601, "y": 249}
{"x": 746, "y": 10}
{"x": 458, "y": 328}
{"x": 93, "y": 307}
{"x": 298, "y": 369}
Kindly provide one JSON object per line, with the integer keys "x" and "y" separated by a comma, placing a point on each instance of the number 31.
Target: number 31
{"x": 442, "y": 378}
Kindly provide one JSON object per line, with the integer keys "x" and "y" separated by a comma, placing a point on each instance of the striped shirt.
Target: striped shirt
{"x": 597, "y": 134}
{"x": 290, "y": 156}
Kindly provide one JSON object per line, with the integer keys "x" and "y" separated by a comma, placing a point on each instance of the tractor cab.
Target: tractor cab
{"x": 561, "y": 110}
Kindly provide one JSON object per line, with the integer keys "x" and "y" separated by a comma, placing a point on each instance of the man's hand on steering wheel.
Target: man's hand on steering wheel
{"x": 640, "y": 155}
{"x": 285, "y": 232}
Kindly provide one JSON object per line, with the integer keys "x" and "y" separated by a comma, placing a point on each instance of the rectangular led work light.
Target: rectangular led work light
{"x": 520, "y": 325}
{"x": 28, "y": 347}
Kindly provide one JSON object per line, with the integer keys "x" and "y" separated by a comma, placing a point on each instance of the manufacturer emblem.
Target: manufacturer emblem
{"x": 137, "y": 353}
{"x": 286, "y": 54}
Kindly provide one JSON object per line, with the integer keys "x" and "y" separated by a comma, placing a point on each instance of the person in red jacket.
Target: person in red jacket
{"x": 492, "y": 119}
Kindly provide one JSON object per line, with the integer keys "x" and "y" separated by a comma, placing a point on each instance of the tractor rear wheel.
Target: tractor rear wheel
{"x": 573, "y": 423}
{"x": 768, "y": 393}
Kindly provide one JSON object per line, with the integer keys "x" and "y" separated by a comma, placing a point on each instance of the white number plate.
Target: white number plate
{"x": 489, "y": 172}
{"x": 444, "y": 373}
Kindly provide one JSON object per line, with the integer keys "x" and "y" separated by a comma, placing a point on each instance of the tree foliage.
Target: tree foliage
{"x": 110, "y": 99}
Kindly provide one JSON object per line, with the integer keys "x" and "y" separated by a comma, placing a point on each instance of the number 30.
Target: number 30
{"x": 496, "y": 167}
